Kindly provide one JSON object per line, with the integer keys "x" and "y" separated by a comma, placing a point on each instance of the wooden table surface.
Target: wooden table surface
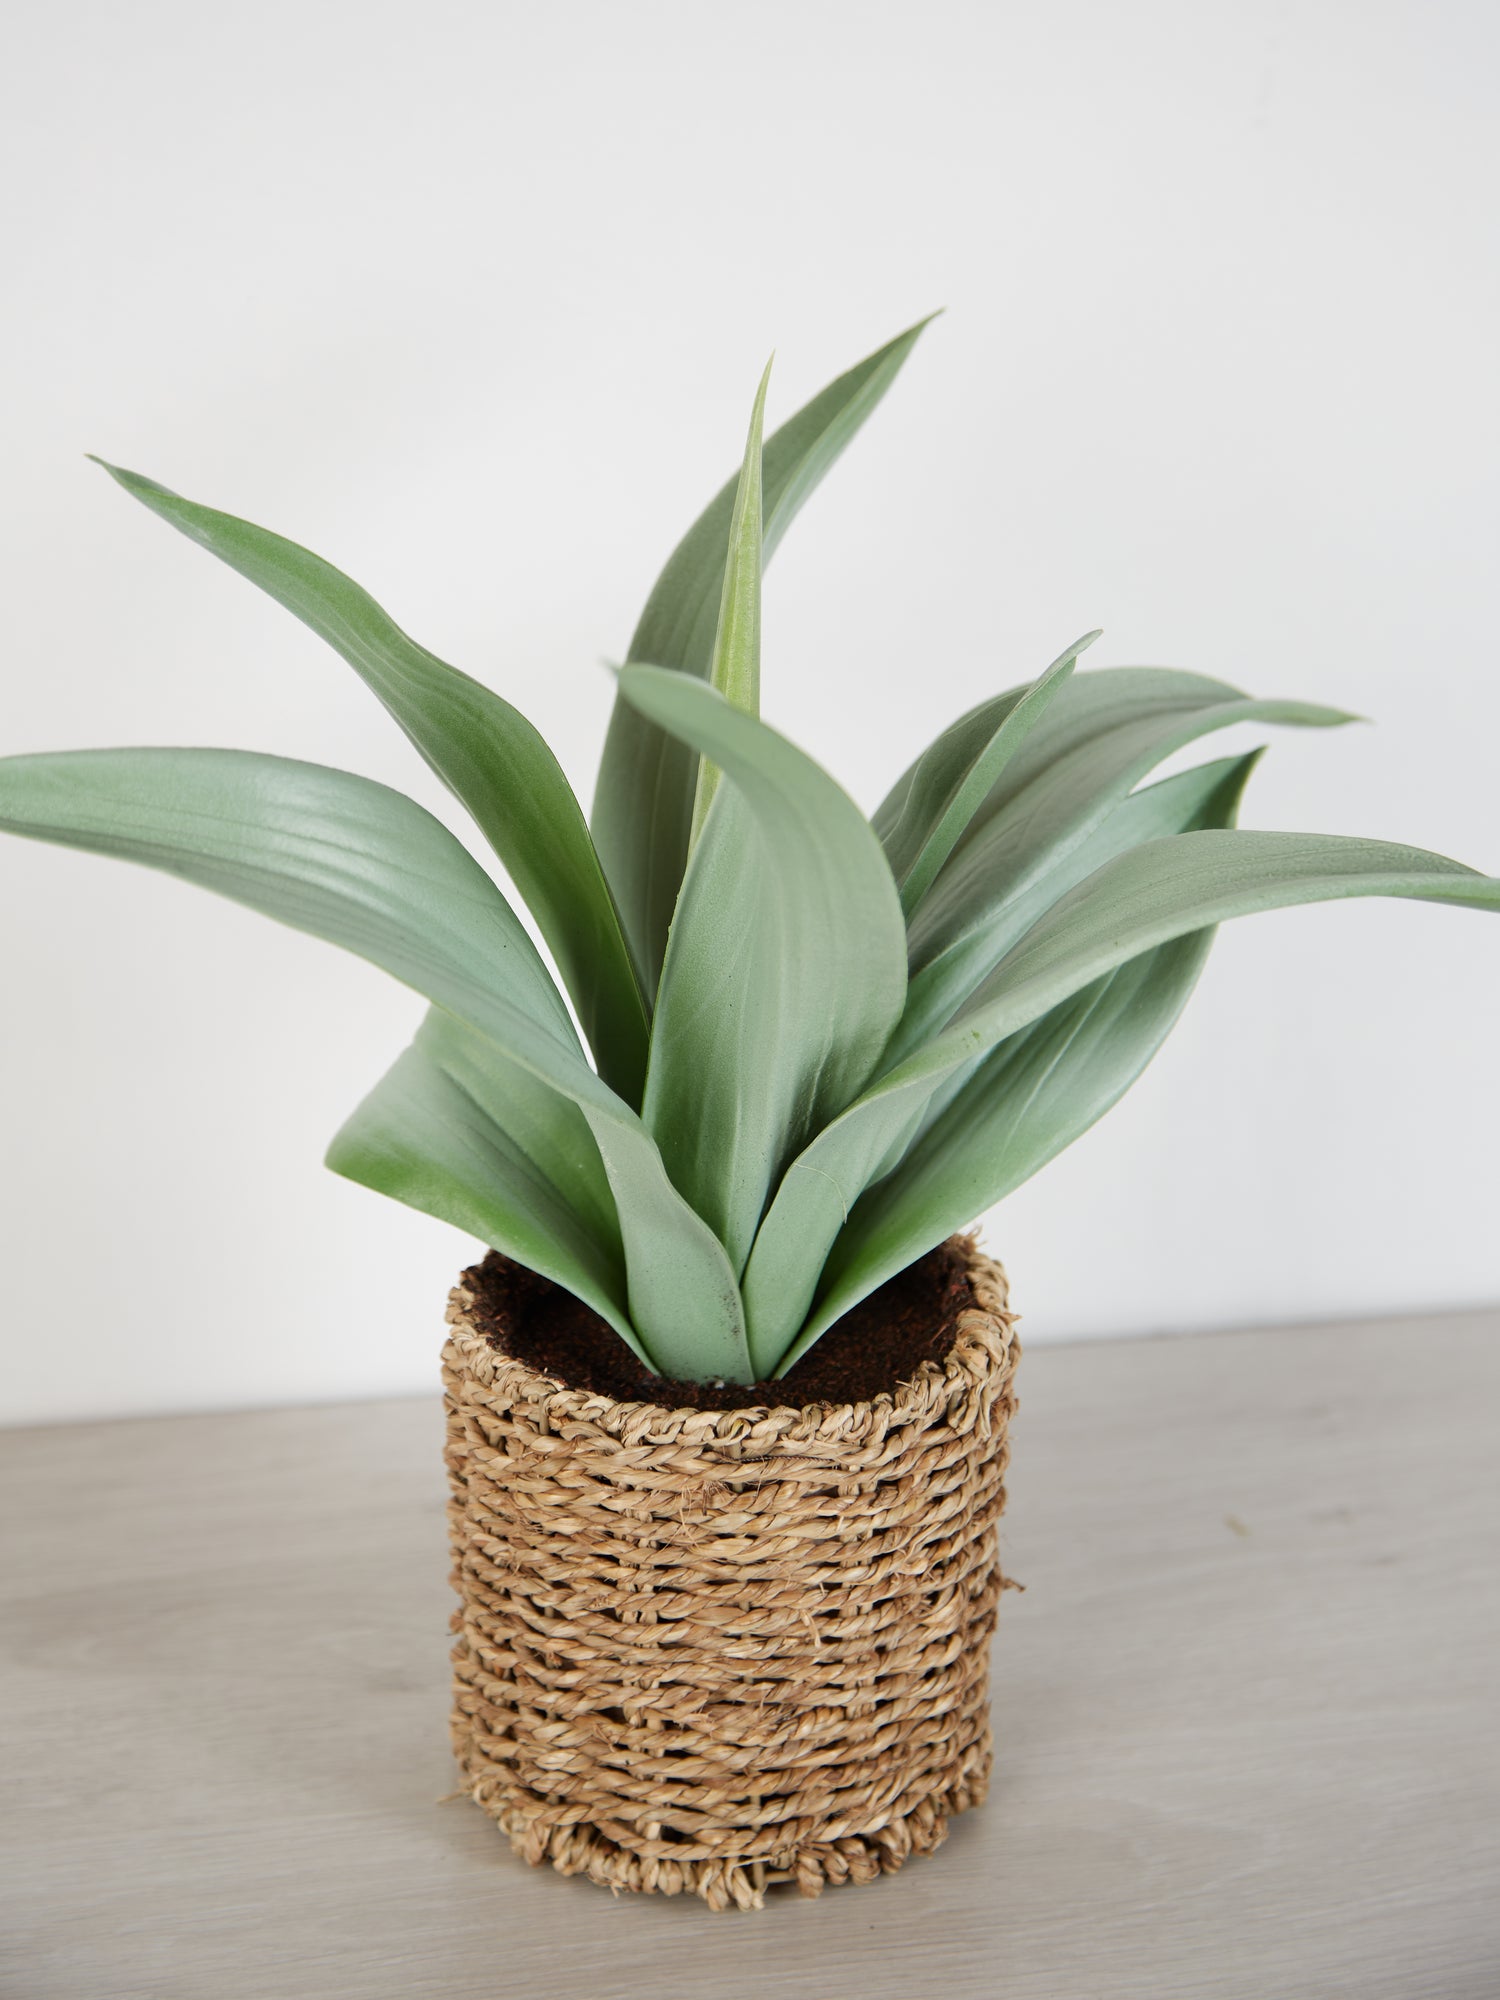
{"x": 1248, "y": 1731}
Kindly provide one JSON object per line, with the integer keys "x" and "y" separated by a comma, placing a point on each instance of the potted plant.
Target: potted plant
{"x": 728, "y": 1397}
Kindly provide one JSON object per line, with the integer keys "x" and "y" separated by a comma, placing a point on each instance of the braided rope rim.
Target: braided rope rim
{"x": 711, "y": 1651}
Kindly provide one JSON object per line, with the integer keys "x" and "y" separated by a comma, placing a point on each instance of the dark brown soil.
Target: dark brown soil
{"x": 873, "y": 1349}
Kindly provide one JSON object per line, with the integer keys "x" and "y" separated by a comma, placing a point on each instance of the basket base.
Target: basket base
{"x": 723, "y": 1885}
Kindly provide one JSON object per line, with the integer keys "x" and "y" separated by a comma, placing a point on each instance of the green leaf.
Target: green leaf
{"x": 643, "y": 807}
{"x": 458, "y": 1131}
{"x": 1145, "y": 898}
{"x": 813, "y": 1212}
{"x": 1034, "y": 1094}
{"x": 366, "y": 868}
{"x": 1093, "y": 704}
{"x": 484, "y": 750}
{"x": 1091, "y": 749}
{"x": 1037, "y": 1093}
{"x": 735, "y": 666}
{"x": 1169, "y": 887}
{"x": 786, "y": 968}
{"x": 1208, "y": 795}
{"x": 321, "y": 850}
{"x": 922, "y": 821}
{"x": 547, "y": 1128}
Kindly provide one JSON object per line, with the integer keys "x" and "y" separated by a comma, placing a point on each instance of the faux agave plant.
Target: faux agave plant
{"x": 819, "y": 1042}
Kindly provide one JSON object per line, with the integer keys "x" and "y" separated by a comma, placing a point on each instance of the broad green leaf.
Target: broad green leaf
{"x": 458, "y": 1131}
{"x": 366, "y": 868}
{"x": 921, "y": 824}
{"x": 811, "y": 1214}
{"x": 735, "y": 666}
{"x": 1033, "y": 1095}
{"x": 786, "y": 968}
{"x": 1169, "y": 887}
{"x": 540, "y": 1123}
{"x": 1163, "y": 890}
{"x": 1094, "y": 703}
{"x": 1037, "y": 1093}
{"x": 643, "y": 807}
{"x": 1208, "y": 795}
{"x": 484, "y": 750}
{"x": 1041, "y": 814}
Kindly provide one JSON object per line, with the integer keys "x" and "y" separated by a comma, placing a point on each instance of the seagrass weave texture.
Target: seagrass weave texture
{"x": 709, "y": 1651}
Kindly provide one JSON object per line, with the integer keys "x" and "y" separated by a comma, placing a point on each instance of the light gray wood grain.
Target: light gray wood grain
{"x": 1248, "y": 1737}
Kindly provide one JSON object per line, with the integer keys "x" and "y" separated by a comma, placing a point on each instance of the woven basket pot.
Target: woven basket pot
{"x": 711, "y": 1651}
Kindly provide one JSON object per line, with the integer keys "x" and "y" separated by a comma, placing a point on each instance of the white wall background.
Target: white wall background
{"x": 472, "y": 298}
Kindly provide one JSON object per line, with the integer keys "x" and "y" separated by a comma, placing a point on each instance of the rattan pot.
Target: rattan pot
{"x": 711, "y": 1651}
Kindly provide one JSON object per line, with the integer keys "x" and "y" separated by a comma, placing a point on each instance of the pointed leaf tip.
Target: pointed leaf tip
{"x": 643, "y": 808}
{"x": 487, "y": 753}
{"x": 734, "y": 667}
